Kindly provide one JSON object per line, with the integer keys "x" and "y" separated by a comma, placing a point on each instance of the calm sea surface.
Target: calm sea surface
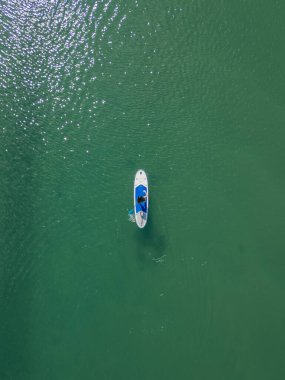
{"x": 191, "y": 91}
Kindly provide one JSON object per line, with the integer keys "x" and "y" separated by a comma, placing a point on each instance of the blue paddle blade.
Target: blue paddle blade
{"x": 131, "y": 216}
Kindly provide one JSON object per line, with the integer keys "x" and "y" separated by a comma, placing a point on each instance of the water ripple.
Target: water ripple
{"x": 48, "y": 56}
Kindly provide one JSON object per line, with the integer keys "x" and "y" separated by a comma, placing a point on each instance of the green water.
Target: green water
{"x": 191, "y": 91}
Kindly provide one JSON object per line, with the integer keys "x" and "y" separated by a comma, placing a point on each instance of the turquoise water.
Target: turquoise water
{"x": 190, "y": 91}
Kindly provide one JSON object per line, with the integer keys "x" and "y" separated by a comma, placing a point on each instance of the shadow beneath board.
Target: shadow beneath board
{"x": 151, "y": 243}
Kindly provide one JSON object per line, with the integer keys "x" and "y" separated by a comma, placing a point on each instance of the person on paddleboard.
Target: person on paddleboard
{"x": 142, "y": 198}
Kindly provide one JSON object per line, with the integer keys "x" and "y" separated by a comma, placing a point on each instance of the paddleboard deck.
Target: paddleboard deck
{"x": 141, "y": 190}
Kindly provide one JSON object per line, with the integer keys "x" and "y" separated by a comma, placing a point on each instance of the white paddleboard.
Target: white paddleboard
{"x": 141, "y": 198}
